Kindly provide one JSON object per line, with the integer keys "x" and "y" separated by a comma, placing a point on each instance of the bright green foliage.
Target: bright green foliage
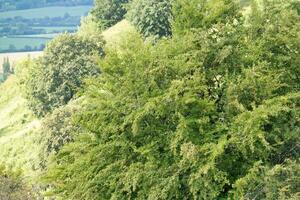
{"x": 88, "y": 27}
{"x": 279, "y": 182}
{"x": 275, "y": 30}
{"x": 211, "y": 113}
{"x": 109, "y": 12}
{"x": 57, "y": 76}
{"x": 252, "y": 87}
{"x": 189, "y": 14}
{"x": 151, "y": 17}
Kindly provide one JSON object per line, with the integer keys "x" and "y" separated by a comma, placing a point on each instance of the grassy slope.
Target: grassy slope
{"x": 18, "y": 128}
{"x": 20, "y": 133}
{"x": 113, "y": 35}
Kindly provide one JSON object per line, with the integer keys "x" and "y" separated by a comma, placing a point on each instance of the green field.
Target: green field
{"x": 19, "y": 43}
{"x": 43, "y": 36}
{"x": 51, "y": 29}
{"x": 46, "y": 12}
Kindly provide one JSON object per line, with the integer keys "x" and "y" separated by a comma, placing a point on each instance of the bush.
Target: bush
{"x": 109, "y": 12}
{"x": 151, "y": 17}
{"x": 12, "y": 187}
{"x": 54, "y": 79}
{"x": 192, "y": 14}
{"x": 201, "y": 115}
{"x": 58, "y": 130}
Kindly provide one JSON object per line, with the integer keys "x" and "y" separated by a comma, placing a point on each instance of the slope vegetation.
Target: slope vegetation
{"x": 18, "y": 130}
{"x": 21, "y": 136}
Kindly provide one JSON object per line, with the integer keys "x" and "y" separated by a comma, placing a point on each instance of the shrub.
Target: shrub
{"x": 58, "y": 130}
{"x": 151, "y": 17}
{"x": 54, "y": 79}
{"x": 192, "y": 14}
{"x": 200, "y": 115}
{"x": 109, "y": 12}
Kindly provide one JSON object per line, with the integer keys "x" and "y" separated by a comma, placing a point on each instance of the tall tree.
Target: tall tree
{"x": 151, "y": 17}
{"x": 54, "y": 79}
{"x": 6, "y": 68}
{"x": 211, "y": 113}
{"x": 109, "y": 12}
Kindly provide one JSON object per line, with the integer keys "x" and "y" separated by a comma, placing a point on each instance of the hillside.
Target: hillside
{"x": 14, "y": 115}
{"x": 21, "y": 136}
{"x": 18, "y": 128}
{"x": 161, "y": 100}
{"x": 114, "y": 35}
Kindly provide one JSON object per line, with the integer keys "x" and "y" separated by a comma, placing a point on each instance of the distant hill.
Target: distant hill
{"x": 7, "y": 5}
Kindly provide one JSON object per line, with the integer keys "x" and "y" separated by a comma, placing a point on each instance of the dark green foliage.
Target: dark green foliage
{"x": 7, "y": 69}
{"x": 56, "y": 77}
{"x": 109, "y": 12}
{"x": 12, "y": 186}
{"x": 6, "y": 66}
{"x": 151, "y": 17}
{"x": 211, "y": 113}
{"x": 58, "y": 130}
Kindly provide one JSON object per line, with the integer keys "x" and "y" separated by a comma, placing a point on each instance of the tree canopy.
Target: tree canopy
{"x": 53, "y": 80}
{"x": 109, "y": 12}
{"x": 210, "y": 113}
{"x": 151, "y": 17}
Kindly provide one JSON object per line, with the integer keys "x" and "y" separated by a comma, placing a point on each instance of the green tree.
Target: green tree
{"x": 151, "y": 17}
{"x": 109, "y": 12}
{"x": 280, "y": 182}
{"x": 191, "y": 14}
{"x": 206, "y": 114}
{"x": 278, "y": 44}
{"x": 58, "y": 130}
{"x": 6, "y": 68}
{"x": 57, "y": 76}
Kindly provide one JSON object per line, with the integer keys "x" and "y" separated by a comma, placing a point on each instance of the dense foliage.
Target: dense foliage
{"x": 58, "y": 130}
{"x": 109, "y": 12}
{"x": 151, "y": 17}
{"x": 57, "y": 76}
{"x": 211, "y": 113}
{"x": 191, "y": 14}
